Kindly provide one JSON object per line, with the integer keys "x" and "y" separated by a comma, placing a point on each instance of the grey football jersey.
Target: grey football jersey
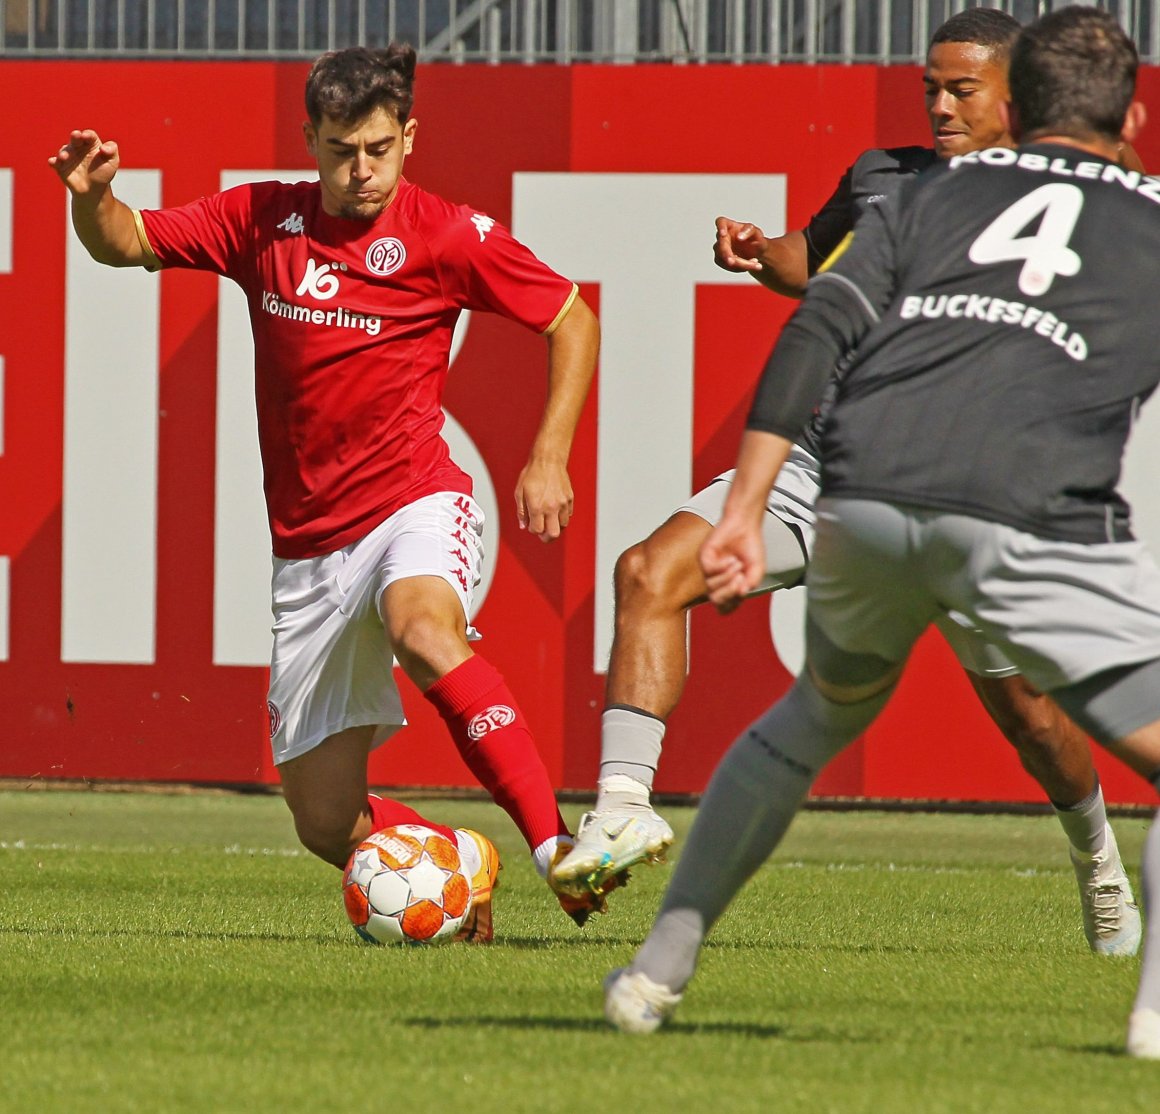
{"x": 1010, "y": 299}
{"x": 874, "y": 176}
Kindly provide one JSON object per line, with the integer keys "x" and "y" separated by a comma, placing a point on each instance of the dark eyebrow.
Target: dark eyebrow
{"x": 969, "y": 79}
{"x": 386, "y": 141}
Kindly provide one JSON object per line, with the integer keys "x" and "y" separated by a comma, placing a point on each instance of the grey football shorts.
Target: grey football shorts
{"x": 1062, "y": 613}
{"x": 789, "y": 540}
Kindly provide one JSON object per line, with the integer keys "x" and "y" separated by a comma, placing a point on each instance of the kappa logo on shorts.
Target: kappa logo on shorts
{"x": 386, "y": 256}
{"x": 490, "y": 719}
{"x": 275, "y": 717}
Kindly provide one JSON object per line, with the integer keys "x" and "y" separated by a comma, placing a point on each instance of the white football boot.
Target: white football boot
{"x": 1111, "y": 919}
{"x": 633, "y": 1003}
{"x": 1144, "y": 1034}
{"x": 608, "y": 843}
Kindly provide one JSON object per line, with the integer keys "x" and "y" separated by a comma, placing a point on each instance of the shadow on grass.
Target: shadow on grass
{"x": 171, "y": 934}
{"x": 595, "y": 1025}
{"x": 543, "y": 943}
{"x": 1116, "y": 1051}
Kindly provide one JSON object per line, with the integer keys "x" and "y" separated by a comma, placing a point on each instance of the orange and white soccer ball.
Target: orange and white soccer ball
{"x": 406, "y": 885}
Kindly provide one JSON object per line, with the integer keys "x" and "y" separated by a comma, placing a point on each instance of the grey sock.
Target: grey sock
{"x": 751, "y": 800}
{"x": 630, "y": 746}
{"x": 1148, "y": 994}
{"x": 1085, "y": 823}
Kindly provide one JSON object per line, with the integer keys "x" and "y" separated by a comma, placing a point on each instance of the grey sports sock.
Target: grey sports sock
{"x": 1085, "y": 823}
{"x": 630, "y": 746}
{"x": 751, "y": 799}
{"x": 1148, "y": 994}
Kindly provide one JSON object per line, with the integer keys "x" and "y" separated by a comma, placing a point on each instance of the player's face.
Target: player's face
{"x": 359, "y": 165}
{"x": 964, "y": 89}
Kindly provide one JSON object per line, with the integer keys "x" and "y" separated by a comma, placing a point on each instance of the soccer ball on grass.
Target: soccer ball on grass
{"x": 406, "y": 885}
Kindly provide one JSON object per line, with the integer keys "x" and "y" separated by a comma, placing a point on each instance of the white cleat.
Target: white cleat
{"x": 1111, "y": 919}
{"x": 1144, "y": 1034}
{"x": 633, "y": 1003}
{"x": 608, "y": 843}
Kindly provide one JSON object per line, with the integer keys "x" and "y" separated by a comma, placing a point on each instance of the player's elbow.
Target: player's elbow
{"x": 111, "y": 253}
{"x": 109, "y": 258}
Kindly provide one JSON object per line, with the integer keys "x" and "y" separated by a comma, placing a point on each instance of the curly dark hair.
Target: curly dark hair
{"x": 348, "y": 85}
{"x": 990, "y": 28}
{"x": 1073, "y": 73}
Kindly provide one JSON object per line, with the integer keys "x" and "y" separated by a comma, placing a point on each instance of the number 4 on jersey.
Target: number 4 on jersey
{"x": 1045, "y": 253}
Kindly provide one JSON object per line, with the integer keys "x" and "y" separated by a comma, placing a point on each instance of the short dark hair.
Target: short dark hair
{"x": 1073, "y": 73}
{"x": 990, "y": 28}
{"x": 348, "y": 85}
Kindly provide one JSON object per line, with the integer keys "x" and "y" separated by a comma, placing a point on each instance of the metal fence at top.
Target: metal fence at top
{"x": 492, "y": 31}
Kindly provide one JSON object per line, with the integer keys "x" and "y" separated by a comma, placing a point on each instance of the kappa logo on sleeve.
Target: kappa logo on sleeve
{"x": 483, "y": 225}
{"x": 293, "y": 224}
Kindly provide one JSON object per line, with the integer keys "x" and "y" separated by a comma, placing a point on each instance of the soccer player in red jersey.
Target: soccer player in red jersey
{"x": 354, "y": 284}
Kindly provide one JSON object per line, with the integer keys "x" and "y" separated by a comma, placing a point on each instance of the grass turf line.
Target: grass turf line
{"x": 182, "y": 954}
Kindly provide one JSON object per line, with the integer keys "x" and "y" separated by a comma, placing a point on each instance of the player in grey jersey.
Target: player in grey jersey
{"x": 1044, "y": 563}
{"x": 658, "y": 579}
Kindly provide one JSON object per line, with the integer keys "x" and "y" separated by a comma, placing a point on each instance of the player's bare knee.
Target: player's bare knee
{"x": 1033, "y": 734}
{"x": 325, "y": 832}
{"x": 419, "y": 639}
{"x": 1031, "y": 722}
{"x": 630, "y": 577}
{"x": 651, "y": 578}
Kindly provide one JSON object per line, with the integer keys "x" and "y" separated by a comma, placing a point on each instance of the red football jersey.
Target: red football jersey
{"x": 352, "y": 326}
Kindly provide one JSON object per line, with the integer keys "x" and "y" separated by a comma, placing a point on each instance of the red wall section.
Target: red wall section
{"x": 181, "y": 718}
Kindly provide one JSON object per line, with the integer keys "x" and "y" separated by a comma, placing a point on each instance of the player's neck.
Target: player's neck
{"x": 1092, "y": 145}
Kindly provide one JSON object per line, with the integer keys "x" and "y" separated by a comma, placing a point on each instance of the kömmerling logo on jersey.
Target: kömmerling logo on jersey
{"x": 490, "y": 719}
{"x": 386, "y": 256}
{"x": 340, "y": 318}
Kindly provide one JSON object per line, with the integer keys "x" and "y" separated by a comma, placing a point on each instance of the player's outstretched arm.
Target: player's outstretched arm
{"x": 87, "y": 166}
{"x": 733, "y": 556}
{"x": 780, "y": 263}
{"x": 544, "y": 490}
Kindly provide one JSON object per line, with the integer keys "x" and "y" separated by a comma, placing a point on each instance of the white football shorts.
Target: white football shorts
{"x": 332, "y": 663}
{"x": 790, "y": 510}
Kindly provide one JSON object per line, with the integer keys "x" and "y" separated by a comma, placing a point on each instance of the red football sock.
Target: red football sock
{"x": 493, "y": 739}
{"x": 385, "y": 813}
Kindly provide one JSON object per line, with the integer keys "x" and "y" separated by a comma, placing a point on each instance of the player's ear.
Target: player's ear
{"x": 311, "y": 136}
{"x": 409, "y": 129}
{"x": 1134, "y": 120}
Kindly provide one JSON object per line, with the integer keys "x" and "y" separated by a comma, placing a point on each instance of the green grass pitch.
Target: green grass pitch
{"x": 180, "y": 953}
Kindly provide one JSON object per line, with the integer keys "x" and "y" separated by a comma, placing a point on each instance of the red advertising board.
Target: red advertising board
{"x": 133, "y": 615}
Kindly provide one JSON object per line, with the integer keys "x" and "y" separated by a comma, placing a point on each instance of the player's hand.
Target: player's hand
{"x": 544, "y": 498}
{"x": 733, "y": 561}
{"x": 86, "y": 162}
{"x": 738, "y": 246}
